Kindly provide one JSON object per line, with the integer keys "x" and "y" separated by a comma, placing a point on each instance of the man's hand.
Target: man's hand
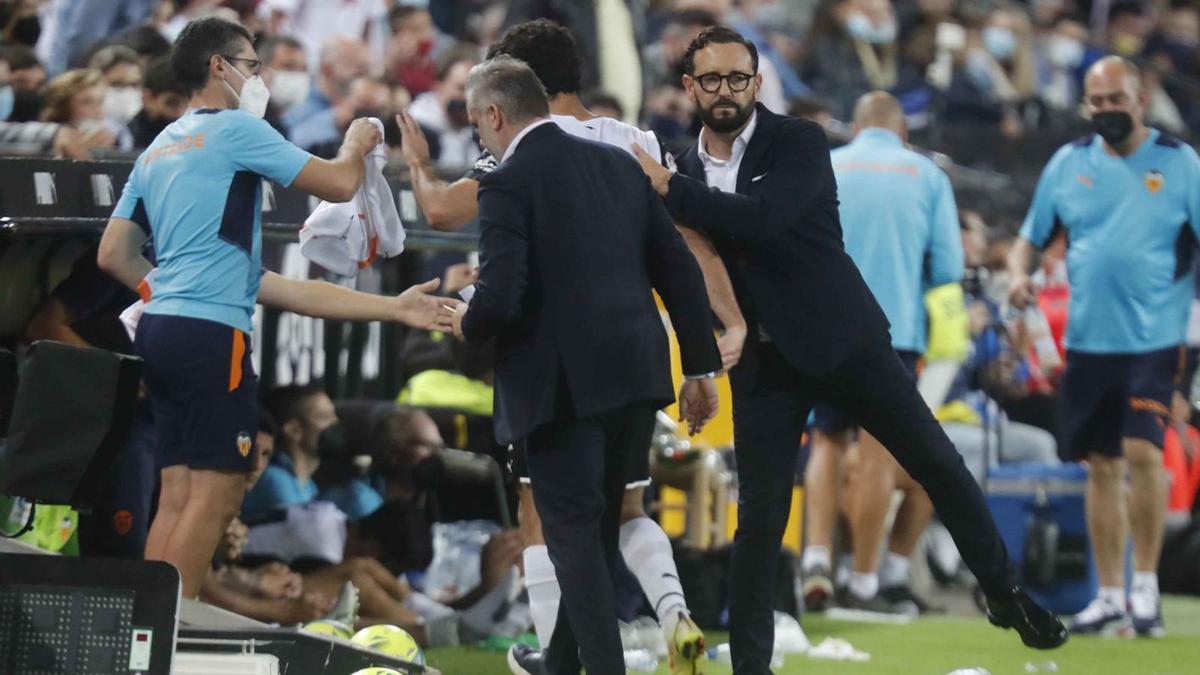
{"x": 364, "y": 135}
{"x": 698, "y": 403}
{"x": 500, "y": 554}
{"x": 454, "y": 311}
{"x": 413, "y": 146}
{"x": 730, "y": 343}
{"x": 659, "y": 175}
{"x": 458, "y": 277}
{"x": 1021, "y": 292}
{"x": 416, "y": 308}
{"x": 277, "y": 581}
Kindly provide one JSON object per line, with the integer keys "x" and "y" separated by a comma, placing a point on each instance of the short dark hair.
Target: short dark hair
{"x": 597, "y": 97}
{"x": 401, "y": 12}
{"x": 268, "y": 47}
{"x": 510, "y": 85}
{"x": 266, "y": 424}
{"x": 550, "y": 51}
{"x": 146, "y": 41}
{"x": 197, "y": 44}
{"x": 286, "y": 403}
{"x": 718, "y": 35}
{"x": 160, "y": 78}
{"x": 692, "y": 17}
{"x": 110, "y": 56}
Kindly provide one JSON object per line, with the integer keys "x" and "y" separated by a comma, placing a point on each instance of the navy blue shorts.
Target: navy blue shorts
{"x": 829, "y": 420}
{"x": 1108, "y": 397}
{"x": 202, "y": 390}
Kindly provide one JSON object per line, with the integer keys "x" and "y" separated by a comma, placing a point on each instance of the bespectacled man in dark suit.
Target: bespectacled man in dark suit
{"x": 762, "y": 187}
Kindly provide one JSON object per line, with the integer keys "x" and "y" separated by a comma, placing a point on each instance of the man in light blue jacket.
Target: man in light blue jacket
{"x": 900, "y": 225}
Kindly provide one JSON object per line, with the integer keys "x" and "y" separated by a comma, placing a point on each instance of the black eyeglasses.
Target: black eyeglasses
{"x": 255, "y": 64}
{"x": 711, "y": 82}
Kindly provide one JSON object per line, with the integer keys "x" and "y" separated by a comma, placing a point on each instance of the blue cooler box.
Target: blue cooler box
{"x": 1039, "y": 510}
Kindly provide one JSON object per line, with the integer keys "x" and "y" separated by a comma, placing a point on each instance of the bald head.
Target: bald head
{"x": 1114, "y": 72}
{"x": 881, "y": 110}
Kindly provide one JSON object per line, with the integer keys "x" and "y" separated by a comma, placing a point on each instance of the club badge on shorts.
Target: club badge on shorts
{"x": 1154, "y": 181}
{"x": 244, "y": 443}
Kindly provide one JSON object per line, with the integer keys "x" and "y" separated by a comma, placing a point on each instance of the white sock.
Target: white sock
{"x": 647, "y": 553}
{"x": 544, "y": 593}
{"x": 1145, "y": 582}
{"x": 865, "y": 586}
{"x": 1114, "y": 595}
{"x": 893, "y": 571}
{"x": 815, "y": 556}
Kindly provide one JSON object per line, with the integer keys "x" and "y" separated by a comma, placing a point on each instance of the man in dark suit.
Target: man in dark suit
{"x": 762, "y": 187}
{"x": 573, "y": 240}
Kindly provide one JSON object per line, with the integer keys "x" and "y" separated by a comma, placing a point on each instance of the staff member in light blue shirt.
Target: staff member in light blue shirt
{"x": 1128, "y": 198}
{"x": 900, "y": 226}
{"x": 197, "y": 193}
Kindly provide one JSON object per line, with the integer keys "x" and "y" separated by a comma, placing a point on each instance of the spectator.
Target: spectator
{"x": 368, "y": 97}
{"x": 851, "y": 49}
{"x": 76, "y": 25}
{"x": 1063, "y": 56}
{"x": 28, "y": 74}
{"x": 603, "y": 104}
{"x": 147, "y": 41}
{"x": 1129, "y": 27}
{"x": 164, "y": 100}
{"x": 76, "y": 99}
{"x": 443, "y": 111}
{"x": 316, "y": 22}
{"x": 303, "y": 413}
{"x": 409, "y": 59}
{"x": 122, "y": 71}
{"x": 766, "y": 24}
{"x": 285, "y": 70}
{"x": 662, "y": 61}
{"x": 996, "y": 73}
{"x": 313, "y": 120}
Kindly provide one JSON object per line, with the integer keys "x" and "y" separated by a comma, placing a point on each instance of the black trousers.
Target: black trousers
{"x": 771, "y": 403}
{"x": 577, "y": 470}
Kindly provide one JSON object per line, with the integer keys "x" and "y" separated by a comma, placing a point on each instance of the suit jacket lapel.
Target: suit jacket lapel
{"x": 757, "y": 148}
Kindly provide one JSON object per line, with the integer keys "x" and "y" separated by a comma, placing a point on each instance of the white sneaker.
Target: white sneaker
{"x": 1104, "y": 618}
{"x": 1146, "y": 608}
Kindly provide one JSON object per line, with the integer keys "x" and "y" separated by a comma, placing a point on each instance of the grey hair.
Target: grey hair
{"x": 510, "y": 85}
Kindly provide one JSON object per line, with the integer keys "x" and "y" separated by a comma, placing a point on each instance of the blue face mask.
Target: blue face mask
{"x": 999, "y": 42}
{"x": 6, "y": 101}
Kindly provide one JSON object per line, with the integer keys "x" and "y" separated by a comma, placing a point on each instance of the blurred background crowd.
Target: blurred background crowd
{"x": 94, "y": 67}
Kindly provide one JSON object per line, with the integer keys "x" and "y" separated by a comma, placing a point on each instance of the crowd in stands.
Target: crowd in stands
{"x": 71, "y": 70}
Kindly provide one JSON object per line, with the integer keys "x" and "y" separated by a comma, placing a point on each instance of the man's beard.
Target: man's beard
{"x": 726, "y": 124}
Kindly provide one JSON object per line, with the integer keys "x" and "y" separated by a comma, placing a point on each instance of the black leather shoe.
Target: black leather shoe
{"x": 525, "y": 660}
{"x": 1037, "y": 627}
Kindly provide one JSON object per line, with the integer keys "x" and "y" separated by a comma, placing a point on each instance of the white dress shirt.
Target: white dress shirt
{"x": 512, "y": 147}
{"x": 722, "y": 173}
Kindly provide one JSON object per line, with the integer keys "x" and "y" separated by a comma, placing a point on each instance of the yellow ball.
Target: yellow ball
{"x": 327, "y": 627}
{"x": 390, "y": 640}
{"x": 375, "y": 671}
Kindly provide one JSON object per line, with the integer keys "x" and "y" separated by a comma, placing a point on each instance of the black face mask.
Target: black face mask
{"x": 456, "y": 112}
{"x": 27, "y": 30}
{"x": 332, "y": 442}
{"x": 427, "y": 474}
{"x": 1114, "y": 126}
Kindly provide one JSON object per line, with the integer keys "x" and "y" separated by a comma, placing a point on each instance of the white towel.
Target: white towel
{"x": 344, "y": 238}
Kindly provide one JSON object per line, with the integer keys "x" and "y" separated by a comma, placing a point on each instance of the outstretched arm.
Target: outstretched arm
{"x": 414, "y": 307}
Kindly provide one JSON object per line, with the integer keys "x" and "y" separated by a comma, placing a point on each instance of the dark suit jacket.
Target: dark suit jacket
{"x": 781, "y": 241}
{"x": 573, "y": 238}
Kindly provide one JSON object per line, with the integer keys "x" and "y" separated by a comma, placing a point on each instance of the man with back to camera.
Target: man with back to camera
{"x": 1129, "y": 199}
{"x": 197, "y": 191}
{"x": 549, "y": 50}
{"x": 900, "y": 226}
{"x": 762, "y": 187}
{"x": 572, "y": 242}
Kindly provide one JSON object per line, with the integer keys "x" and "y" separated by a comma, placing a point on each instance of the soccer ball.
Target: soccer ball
{"x": 332, "y": 628}
{"x": 375, "y": 670}
{"x": 390, "y": 640}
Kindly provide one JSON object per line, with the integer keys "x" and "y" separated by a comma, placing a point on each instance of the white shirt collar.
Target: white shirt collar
{"x": 512, "y": 147}
{"x": 739, "y": 144}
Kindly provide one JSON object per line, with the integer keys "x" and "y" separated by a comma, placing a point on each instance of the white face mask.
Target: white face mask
{"x": 122, "y": 104}
{"x": 254, "y": 96}
{"x": 1064, "y": 52}
{"x": 290, "y": 87}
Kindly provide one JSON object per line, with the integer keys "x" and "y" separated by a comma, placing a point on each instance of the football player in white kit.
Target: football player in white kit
{"x": 549, "y": 49}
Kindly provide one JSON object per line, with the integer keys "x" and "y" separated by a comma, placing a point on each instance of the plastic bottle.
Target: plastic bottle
{"x": 641, "y": 661}
{"x": 720, "y": 654}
